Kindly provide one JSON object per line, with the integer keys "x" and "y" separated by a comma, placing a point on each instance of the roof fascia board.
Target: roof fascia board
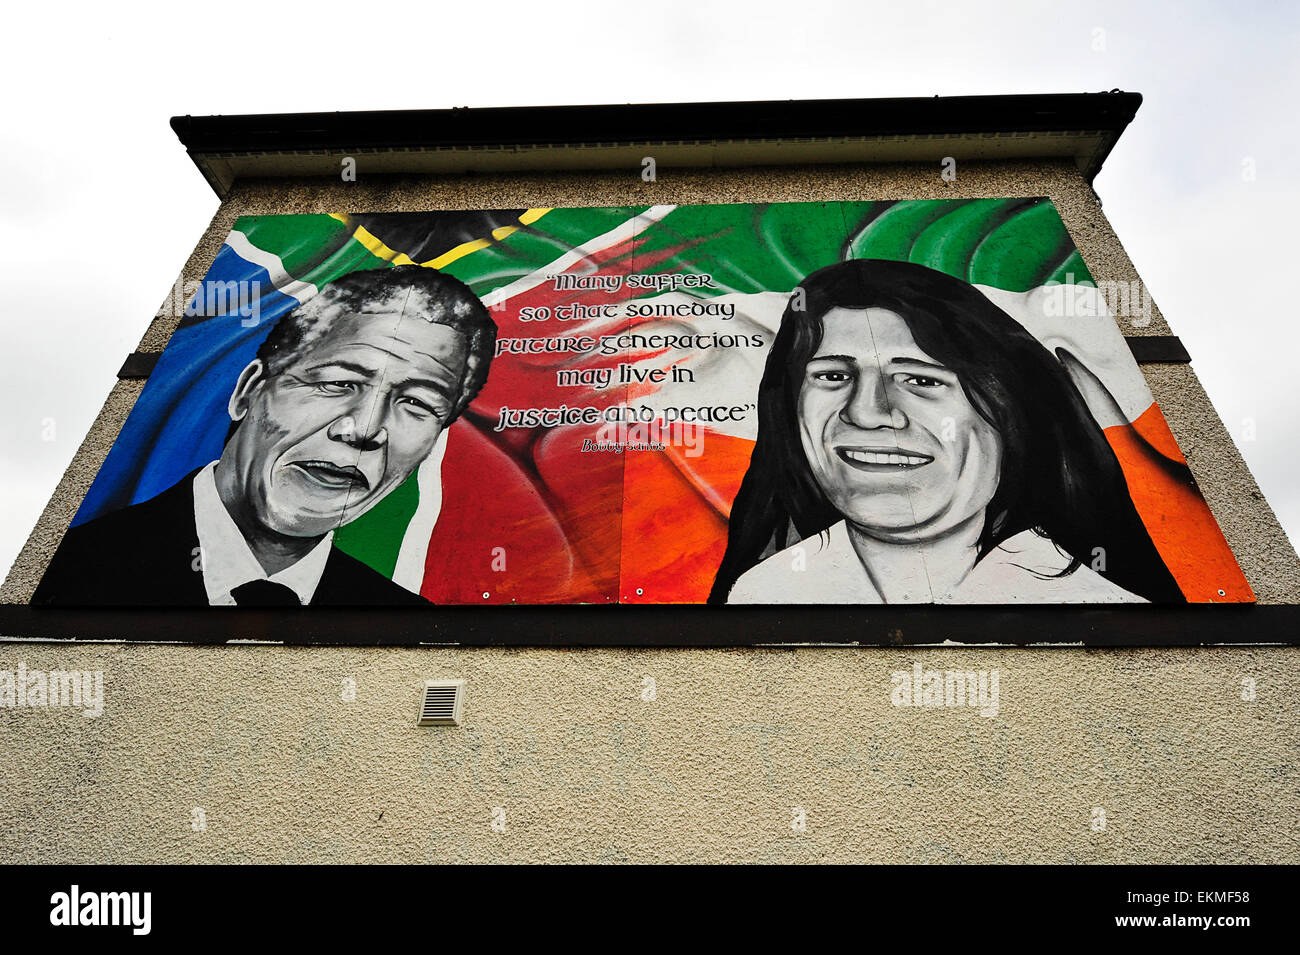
{"x": 523, "y": 131}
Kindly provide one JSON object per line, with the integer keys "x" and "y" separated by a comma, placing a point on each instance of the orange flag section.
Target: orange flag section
{"x": 675, "y": 509}
{"x": 1175, "y": 514}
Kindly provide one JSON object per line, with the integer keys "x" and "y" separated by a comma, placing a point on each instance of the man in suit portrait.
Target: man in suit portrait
{"x": 345, "y": 398}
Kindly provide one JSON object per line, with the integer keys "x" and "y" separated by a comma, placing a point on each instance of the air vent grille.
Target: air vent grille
{"x": 441, "y": 703}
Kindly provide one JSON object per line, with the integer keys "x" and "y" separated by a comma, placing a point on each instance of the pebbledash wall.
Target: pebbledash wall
{"x": 562, "y": 749}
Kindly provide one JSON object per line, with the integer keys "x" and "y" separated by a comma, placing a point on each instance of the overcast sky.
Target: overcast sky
{"x": 100, "y": 207}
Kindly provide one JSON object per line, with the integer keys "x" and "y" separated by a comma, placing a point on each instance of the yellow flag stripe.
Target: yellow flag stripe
{"x": 457, "y": 253}
{"x": 377, "y": 248}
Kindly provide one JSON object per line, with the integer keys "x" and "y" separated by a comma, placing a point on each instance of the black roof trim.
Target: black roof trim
{"x": 531, "y": 126}
{"x": 537, "y": 125}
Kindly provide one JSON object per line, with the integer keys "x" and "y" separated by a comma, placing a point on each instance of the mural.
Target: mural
{"x": 871, "y": 402}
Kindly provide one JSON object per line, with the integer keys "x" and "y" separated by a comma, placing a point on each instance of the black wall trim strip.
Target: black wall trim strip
{"x": 670, "y": 626}
{"x": 139, "y": 364}
{"x": 1158, "y": 348}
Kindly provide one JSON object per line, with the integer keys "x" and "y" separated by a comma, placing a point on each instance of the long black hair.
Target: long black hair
{"x": 1059, "y": 476}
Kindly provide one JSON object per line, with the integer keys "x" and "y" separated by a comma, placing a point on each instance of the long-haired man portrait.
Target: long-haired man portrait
{"x": 916, "y": 444}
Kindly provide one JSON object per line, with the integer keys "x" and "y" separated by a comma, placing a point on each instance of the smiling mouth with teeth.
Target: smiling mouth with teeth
{"x": 882, "y": 460}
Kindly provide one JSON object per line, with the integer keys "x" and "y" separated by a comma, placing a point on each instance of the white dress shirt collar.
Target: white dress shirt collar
{"x": 228, "y": 562}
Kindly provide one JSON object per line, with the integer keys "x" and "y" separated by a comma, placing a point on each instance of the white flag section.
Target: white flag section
{"x": 280, "y": 277}
{"x": 1090, "y": 336}
{"x": 409, "y": 570}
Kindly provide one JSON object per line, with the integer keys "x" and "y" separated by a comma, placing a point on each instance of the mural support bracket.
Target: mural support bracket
{"x": 139, "y": 364}
{"x": 1157, "y": 349}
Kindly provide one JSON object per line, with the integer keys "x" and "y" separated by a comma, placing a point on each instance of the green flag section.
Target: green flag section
{"x": 375, "y": 538}
{"x": 1013, "y": 244}
{"x": 536, "y": 246}
{"x": 311, "y": 248}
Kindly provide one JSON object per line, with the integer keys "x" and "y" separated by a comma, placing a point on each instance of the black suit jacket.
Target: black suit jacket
{"x": 145, "y": 555}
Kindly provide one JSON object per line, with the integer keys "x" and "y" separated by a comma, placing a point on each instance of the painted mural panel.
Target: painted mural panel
{"x": 870, "y": 402}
